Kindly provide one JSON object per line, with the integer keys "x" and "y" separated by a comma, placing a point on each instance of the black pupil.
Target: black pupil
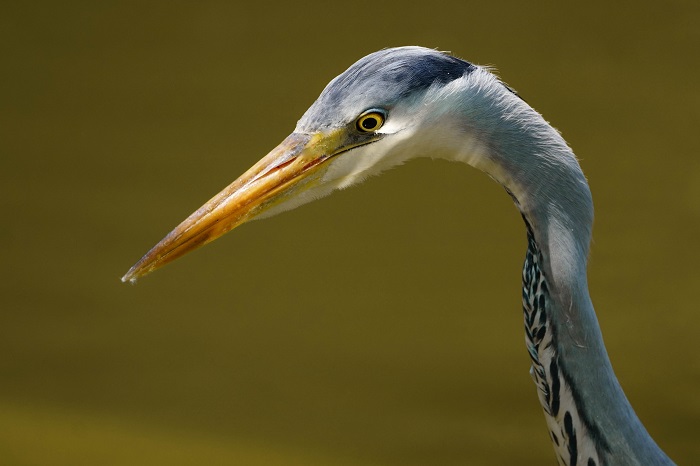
{"x": 370, "y": 123}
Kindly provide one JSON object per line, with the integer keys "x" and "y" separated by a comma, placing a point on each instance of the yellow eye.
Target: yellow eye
{"x": 370, "y": 121}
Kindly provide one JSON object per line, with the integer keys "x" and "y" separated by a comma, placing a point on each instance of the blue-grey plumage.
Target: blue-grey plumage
{"x": 406, "y": 102}
{"x": 383, "y": 79}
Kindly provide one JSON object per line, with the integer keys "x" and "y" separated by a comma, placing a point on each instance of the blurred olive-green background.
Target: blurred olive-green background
{"x": 379, "y": 326}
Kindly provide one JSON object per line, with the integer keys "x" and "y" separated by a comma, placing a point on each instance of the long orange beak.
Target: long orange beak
{"x": 284, "y": 171}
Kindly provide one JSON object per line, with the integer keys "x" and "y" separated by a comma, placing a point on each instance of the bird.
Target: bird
{"x": 407, "y": 102}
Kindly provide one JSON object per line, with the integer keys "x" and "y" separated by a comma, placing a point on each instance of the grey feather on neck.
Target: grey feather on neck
{"x": 512, "y": 143}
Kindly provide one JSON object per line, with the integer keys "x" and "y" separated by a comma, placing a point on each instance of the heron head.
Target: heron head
{"x": 365, "y": 121}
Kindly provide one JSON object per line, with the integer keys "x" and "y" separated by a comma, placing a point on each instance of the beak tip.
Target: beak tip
{"x": 130, "y": 277}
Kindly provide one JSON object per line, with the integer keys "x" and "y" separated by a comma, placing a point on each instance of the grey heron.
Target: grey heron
{"x": 406, "y": 102}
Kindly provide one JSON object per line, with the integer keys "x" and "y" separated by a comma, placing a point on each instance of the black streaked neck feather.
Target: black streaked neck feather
{"x": 579, "y": 364}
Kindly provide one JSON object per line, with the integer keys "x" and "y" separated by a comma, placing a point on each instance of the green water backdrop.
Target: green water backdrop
{"x": 379, "y": 326}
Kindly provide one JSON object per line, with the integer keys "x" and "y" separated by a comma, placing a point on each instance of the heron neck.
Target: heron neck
{"x": 588, "y": 415}
{"x": 519, "y": 149}
{"x": 554, "y": 198}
